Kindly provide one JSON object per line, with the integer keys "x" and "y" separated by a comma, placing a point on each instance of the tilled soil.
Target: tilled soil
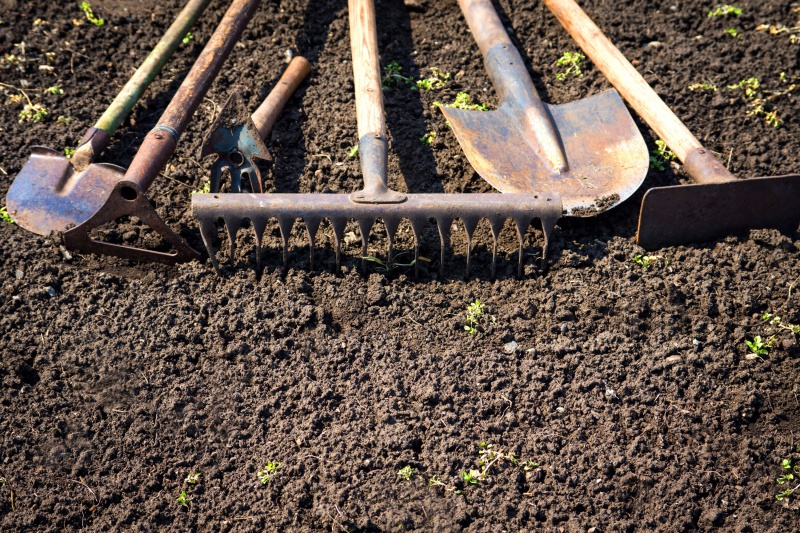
{"x": 626, "y": 394}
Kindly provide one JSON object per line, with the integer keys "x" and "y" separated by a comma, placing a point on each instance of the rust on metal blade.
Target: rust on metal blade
{"x": 607, "y": 157}
{"x": 686, "y": 214}
{"x": 48, "y": 195}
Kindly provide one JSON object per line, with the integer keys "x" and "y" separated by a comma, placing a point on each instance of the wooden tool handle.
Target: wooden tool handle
{"x": 366, "y": 68}
{"x": 484, "y": 24}
{"x": 267, "y": 113}
{"x": 625, "y": 78}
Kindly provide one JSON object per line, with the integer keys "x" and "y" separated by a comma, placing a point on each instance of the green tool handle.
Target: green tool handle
{"x": 98, "y": 137}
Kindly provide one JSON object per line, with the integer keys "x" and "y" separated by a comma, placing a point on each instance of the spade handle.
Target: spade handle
{"x": 366, "y": 68}
{"x": 700, "y": 164}
{"x": 267, "y": 113}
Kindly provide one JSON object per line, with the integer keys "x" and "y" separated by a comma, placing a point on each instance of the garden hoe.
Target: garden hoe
{"x": 717, "y": 204}
{"x": 589, "y": 152}
{"x": 236, "y": 138}
{"x": 102, "y": 192}
{"x": 52, "y": 192}
{"x": 375, "y": 199}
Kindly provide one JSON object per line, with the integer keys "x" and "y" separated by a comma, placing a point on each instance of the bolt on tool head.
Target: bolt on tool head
{"x": 375, "y": 200}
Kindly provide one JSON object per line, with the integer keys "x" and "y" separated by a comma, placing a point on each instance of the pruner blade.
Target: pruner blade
{"x": 235, "y": 140}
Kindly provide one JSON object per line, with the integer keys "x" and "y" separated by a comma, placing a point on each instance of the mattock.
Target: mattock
{"x": 375, "y": 199}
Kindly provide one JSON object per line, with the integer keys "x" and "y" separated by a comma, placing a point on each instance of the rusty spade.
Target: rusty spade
{"x": 717, "y": 204}
{"x": 590, "y": 151}
{"x": 236, "y": 138}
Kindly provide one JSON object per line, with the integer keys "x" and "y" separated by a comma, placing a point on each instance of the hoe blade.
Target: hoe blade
{"x": 48, "y": 195}
{"x": 606, "y": 155}
{"x": 696, "y": 213}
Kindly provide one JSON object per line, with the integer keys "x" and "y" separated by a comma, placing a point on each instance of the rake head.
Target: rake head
{"x": 338, "y": 209}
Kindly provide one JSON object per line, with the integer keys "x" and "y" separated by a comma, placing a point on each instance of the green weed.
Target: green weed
{"x": 710, "y": 87}
{"x": 188, "y": 38}
{"x": 661, "y": 155}
{"x": 86, "y": 7}
{"x": 749, "y": 86}
{"x": 268, "y": 472}
{"x": 437, "y": 80}
{"x": 205, "y": 189}
{"x": 352, "y": 152}
{"x": 724, "y": 11}
{"x": 428, "y": 138}
{"x": 462, "y": 101}
{"x": 733, "y": 33}
{"x": 393, "y": 73}
{"x": 32, "y": 113}
{"x": 4, "y": 216}
{"x": 436, "y": 481}
{"x": 405, "y": 473}
{"x": 759, "y": 346}
{"x": 183, "y": 499}
{"x": 476, "y": 317}
{"x": 69, "y": 152}
{"x": 572, "y": 61}
{"x": 55, "y": 89}
{"x": 789, "y": 476}
{"x": 647, "y": 261}
{"x": 193, "y": 478}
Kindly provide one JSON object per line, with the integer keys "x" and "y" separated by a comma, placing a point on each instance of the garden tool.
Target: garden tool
{"x": 375, "y": 199}
{"x": 590, "y": 152}
{"x": 102, "y": 193}
{"x": 717, "y": 204}
{"x": 236, "y": 139}
{"x": 47, "y": 194}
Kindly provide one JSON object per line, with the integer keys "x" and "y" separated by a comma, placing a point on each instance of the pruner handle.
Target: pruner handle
{"x": 267, "y": 113}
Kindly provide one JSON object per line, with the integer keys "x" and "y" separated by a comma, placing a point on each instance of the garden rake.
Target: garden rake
{"x": 375, "y": 200}
{"x": 717, "y": 204}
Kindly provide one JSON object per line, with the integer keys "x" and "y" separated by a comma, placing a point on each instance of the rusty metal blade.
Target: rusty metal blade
{"x": 697, "y": 213}
{"x": 607, "y": 157}
{"x": 48, "y": 195}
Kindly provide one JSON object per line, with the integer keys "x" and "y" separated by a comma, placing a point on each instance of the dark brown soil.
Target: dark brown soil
{"x": 630, "y": 387}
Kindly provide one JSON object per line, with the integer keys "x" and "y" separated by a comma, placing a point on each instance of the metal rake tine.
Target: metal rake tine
{"x": 391, "y": 224}
{"x": 522, "y": 228}
{"x": 444, "y": 225}
{"x": 417, "y": 227}
{"x": 497, "y": 226}
{"x": 470, "y": 223}
{"x": 364, "y": 226}
{"x": 338, "y": 225}
{"x": 285, "y": 224}
{"x": 312, "y": 226}
{"x": 232, "y": 230}
{"x": 206, "y": 232}
{"x": 259, "y": 226}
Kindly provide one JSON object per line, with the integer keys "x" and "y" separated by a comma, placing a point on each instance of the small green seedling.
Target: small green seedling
{"x": 791, "y": 472}
{"x": 709, "y": 87}
{"x": 267, "y": 473}
{"x": 462, "y": 101}
{"x": 476, "y": 315}
{"x": 86, "y": 7}
{"x": 205, "y": 189}
{"x": 436, "y": 481}
{"x": 352, "y": 152}
{"x": 183, "y": 499}
{"x": 55, "y": 89}
{"x": 69, "y": 152}
{"x": 193, "y": 478}
{"x": 660, "y": 156}
{"x": 775, "y": 320}
{"x": 572, "y": 61}
{"x": 405, "y": 473}
{"x": 759, "y": 346}
{"x": 749, "y": 86}
{"x": 188, "y": 38}
{"x": 64, "y": 121}
{"x": 647, "y": 261}
{"x": 733, "y": 33}
{"x": 4, "y": 216}
{"x": 530, "y": 465}
{"x": 724, "y": 11}
{"x": 32, "y": 113}
{"x": 471, "y": 477}
{"x": 428, "y": 138}
{"x": 435, "y": 82}
{"x": 392, "y": 73}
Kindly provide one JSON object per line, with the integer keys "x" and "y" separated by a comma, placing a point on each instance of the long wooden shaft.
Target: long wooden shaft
{"x": 267, "y": 113}
{"x": 624, "y": 76}
{"x": 366, "y": 68}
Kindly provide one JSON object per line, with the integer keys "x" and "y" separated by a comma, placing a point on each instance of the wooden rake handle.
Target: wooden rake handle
{"x": 366, "y": 68}
{"x": 638, "y": 93}
{"x": 267, "y": 113}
